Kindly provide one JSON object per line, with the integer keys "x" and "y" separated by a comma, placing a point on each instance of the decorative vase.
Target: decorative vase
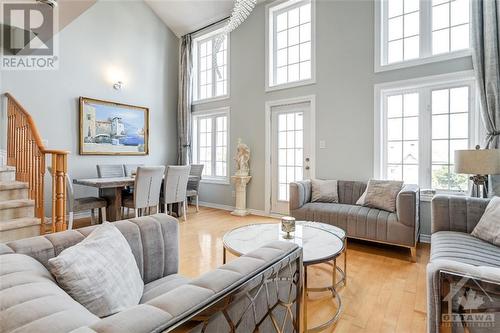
{"x": 288, "y": 226}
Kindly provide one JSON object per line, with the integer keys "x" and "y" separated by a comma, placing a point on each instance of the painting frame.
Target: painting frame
{"x": 83, "y": 145}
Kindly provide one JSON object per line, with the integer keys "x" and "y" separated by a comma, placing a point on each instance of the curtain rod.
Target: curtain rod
{"x": 208, "y": 26}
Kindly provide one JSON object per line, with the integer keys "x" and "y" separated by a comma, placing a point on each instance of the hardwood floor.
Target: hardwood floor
{"x": 385, "y": 292}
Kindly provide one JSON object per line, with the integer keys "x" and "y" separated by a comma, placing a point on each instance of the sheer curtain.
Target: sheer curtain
{"x": 184, "y": 101}
{"x": 486, "y": 60}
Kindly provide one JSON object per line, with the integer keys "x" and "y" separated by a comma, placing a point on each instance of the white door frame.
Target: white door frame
{"x": 311, "y": 99}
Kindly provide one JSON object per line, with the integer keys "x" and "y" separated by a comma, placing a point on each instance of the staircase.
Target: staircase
{"x": 17, "y": 211}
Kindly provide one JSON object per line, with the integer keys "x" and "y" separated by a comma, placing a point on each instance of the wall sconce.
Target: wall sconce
{"x": 118, "y": 85}
{"x": 116, "y": 77}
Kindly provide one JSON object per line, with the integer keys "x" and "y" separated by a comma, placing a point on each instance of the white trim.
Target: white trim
{"x": 425, "y": 238}
{"x": 425, "y": 37}
{"x": 228, "y": 208}
{"x": 212, "y": 180}
{"x": 269, "y": 70}
{"x": 311, "y": 99}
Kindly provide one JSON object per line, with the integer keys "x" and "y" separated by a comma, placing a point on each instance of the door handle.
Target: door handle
{"x": 307, "y": 167}
{"x": 307, "y": 159}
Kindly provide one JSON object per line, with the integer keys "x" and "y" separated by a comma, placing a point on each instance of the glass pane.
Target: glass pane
{"x": 410, "y": 152}
{"x": 282, "y": 139}
{"x": 440, "y": 177}
{"x": 459, "y": 126}
{"x": 411, "y": 48}
{"x": 283, "y": 195}
{"x": 299, "y": 120}
{"x": 394, "y": 172}
{"x": 395, "y": 51}
{"x": 411, "y": 104}
{"x": 459, "y": 99}
{"x": 394, "y": 152}
{"x": 298, "y": 173}
{"x": 290, "y": 157}
{"x": 293, "y": 73}
{"x": 282, "y": 122}
{"x": 394, "y": 106}
{"x": 293, "y": 17}
{"x": 281, "y": 39}
{"x": 305, "y": 51}
{"x": 440, "y": 151}
{"x": 305, "y": 32}
{"x": 281, "y": 75}
{"x": 410, "y": 128}
{"x": 457, "y": 145}
{"x": 460, "y": 37}
{"x": 281, "y": 156}
{"x": 293, "y": 54}
{"x": 411, "y": 5}
{"x": 282, "y": 174}
{"x": 458, "y": 182}
{"x": 394, "y": 129}
{"x": 290, "y": 122}
{"x": 440, "y": 127}
{"x": 293, "y": 36}
{"x": 305, "y": 70}
{"x": 459, "y": 12}
{"x": 441, "y": 16}
{"x": 395, "y": 7}
{"x": 290, "y": 174}
{"x": 440, "y": 101}
{"x": 410, "y": 174}
{"x": 411, "y": 24}
{"x": 440, "y": 41}
{"x": 305, "y": 13}
{"x": 396, "y": 28}
{"x": 281, "y": 22}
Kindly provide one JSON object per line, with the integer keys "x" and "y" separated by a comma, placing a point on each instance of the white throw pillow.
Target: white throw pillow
{"x": 100, "y": 272}
{"x": 324, "y": 191}
{"x": 382, "y": 194}
{"x": 488, "y": 227}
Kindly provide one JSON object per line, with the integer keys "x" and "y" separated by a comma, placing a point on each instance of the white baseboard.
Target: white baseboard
{"x": 231, "y": 208}
{"x": 425, "y": 238}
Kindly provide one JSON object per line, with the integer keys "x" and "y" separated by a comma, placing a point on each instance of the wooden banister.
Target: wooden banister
{"x": 26, "y": 152}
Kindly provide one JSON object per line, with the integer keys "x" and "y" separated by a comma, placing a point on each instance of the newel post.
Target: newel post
{"x": 59, "y": 170}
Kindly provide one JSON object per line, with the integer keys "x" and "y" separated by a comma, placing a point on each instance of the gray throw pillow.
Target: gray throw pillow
{"x": 100, "y": 272}
{"x": 324, "y": 191}
{"x": 488, "y": 227}
{"x": 382, "y": 194}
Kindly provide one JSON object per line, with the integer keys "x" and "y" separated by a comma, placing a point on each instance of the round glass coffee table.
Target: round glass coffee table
{"x": 320, "y": 242}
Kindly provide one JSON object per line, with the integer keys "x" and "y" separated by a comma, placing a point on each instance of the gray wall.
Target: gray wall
{"x": 124, "y": 34}
{"x": 344, "y": 88}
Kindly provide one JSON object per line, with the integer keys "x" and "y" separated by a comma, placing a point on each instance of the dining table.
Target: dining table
{"x": 111, "y": 189}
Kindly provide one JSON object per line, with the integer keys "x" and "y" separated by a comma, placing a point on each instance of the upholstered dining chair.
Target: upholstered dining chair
{"x": 175, "y": 187}
{"x": 147, "y": 186}
{"x": 82, "y": 204}
{"x": 110, "y": 170}
{"x": 194, "y": 182}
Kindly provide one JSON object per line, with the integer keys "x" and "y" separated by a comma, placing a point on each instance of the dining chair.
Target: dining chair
{"x": 194, "y": 182}
{"x": 175, "y": 187}
{"x": 110, "y": 170}
{"x": 147, "y": 186}
{"x": 82, "y": 204}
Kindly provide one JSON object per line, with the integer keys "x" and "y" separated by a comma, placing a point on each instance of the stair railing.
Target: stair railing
{"x": 26, "y": 152}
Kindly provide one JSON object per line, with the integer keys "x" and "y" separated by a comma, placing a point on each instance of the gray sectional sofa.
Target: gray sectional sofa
{"x": 456, "y": 254}
{"x": 250, "y": 293}
{"x": 400, "y": 228}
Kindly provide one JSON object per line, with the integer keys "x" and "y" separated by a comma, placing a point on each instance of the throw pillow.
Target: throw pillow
{"x": 100, "y": 272}
{"x": 361, "y": 200}
{"x": 488, "y": 227}
{"x": 382, "y": 194}
{"x": 324, "y": 191}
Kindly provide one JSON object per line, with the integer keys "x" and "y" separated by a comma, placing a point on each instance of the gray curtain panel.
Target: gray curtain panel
{"x": 486, "y": 60}
{"x": 184, "y": 101}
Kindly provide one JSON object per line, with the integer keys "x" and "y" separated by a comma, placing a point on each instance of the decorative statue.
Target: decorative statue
{"x": 242, "y": 157}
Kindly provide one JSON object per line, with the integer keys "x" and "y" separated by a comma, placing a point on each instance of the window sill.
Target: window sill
{"x": 210, "y": 100}
{"x": 290, "y": 85}
{"x": 426, "y": 60}
{"x": 219, "y": 181}
{"x": 426, "y": 195}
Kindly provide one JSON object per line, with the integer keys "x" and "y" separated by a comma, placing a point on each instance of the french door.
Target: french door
{"x": 290, "y": 151}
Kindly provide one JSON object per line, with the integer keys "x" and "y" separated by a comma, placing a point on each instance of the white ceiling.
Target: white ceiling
{"x": 185, "y": 16}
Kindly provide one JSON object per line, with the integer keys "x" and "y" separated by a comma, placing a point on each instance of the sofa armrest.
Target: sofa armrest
{"x": 271, "y": 274}
{"x": 407, "y": 205}
{"x": 456, "y": 213}
{"x": 300, "y": 193}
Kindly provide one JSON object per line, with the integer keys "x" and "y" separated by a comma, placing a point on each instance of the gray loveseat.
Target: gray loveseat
{"x": 400, "y": 228}
{"x": 464, "y": 272}
{"x": 249, "y": 293}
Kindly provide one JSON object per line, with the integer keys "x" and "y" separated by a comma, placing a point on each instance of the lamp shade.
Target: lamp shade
{"x": 478, "y": 161}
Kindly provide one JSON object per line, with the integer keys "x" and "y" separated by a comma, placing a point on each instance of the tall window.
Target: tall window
{"x": 412, "y": 29}
{"x": 421, "y": 129}
{"x": 290, "y": 42}
{"x": 210, "y": 131}
{"x": 210, "y": 66}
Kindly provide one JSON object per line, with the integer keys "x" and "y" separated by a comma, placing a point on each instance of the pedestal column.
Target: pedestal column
{"x": 240, "y": 185}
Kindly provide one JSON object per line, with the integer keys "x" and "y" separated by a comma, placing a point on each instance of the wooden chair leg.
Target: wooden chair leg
{"x": 92, "y": 216}
{"x": 103, "y": 214}
{"x": 413, "y": 252}
{"x": 184, "y": 204}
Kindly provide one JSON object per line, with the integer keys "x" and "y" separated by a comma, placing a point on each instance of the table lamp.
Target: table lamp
{"x": 479, "y": 163}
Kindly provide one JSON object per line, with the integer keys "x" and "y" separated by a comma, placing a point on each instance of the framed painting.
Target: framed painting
{"x": 109, "y": 128}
